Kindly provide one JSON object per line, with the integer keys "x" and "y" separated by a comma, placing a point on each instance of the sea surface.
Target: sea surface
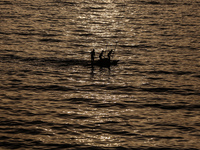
{"x": 51, "y": 97}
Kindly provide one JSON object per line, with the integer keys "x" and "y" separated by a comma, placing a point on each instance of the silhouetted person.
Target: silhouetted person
{"x": 110, "y": 54}
{"x": 101, "y": 55}
{"x": 92, "y": 56}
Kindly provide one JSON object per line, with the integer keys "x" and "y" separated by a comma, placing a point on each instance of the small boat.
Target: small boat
{"x": 103, "y": 62}
{"x": 106, "y": 62}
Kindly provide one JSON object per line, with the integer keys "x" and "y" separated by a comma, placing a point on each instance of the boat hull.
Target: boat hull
{"x": 105, "y": 63}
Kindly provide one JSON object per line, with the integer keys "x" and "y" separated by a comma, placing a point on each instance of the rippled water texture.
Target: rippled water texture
{"x": 51, "y": 98}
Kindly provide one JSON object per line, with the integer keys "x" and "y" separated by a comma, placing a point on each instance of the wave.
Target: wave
{"x": 44, "y": 61}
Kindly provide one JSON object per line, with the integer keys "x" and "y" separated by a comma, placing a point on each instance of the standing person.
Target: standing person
{"x": 101, "y": 55}
{"x": 92, "y": 53}
{"x": 109, "y": 54}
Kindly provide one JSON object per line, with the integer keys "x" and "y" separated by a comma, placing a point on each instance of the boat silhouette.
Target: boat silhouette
{"x": 103, "y": 62}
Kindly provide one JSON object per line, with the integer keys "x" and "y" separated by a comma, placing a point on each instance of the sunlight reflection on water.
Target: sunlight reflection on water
{"x": 52, "y": 98}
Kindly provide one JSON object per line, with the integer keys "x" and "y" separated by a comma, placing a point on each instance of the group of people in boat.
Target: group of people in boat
{"x": 102, "y": 60}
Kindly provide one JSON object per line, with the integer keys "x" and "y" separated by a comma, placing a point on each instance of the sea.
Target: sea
{"x": 52, "y": 98}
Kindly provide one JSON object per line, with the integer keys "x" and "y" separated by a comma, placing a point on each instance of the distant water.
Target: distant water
{"x": 52, "y": 99}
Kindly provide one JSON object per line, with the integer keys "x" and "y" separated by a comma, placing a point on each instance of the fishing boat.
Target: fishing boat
{"x": 103, "y": 62}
